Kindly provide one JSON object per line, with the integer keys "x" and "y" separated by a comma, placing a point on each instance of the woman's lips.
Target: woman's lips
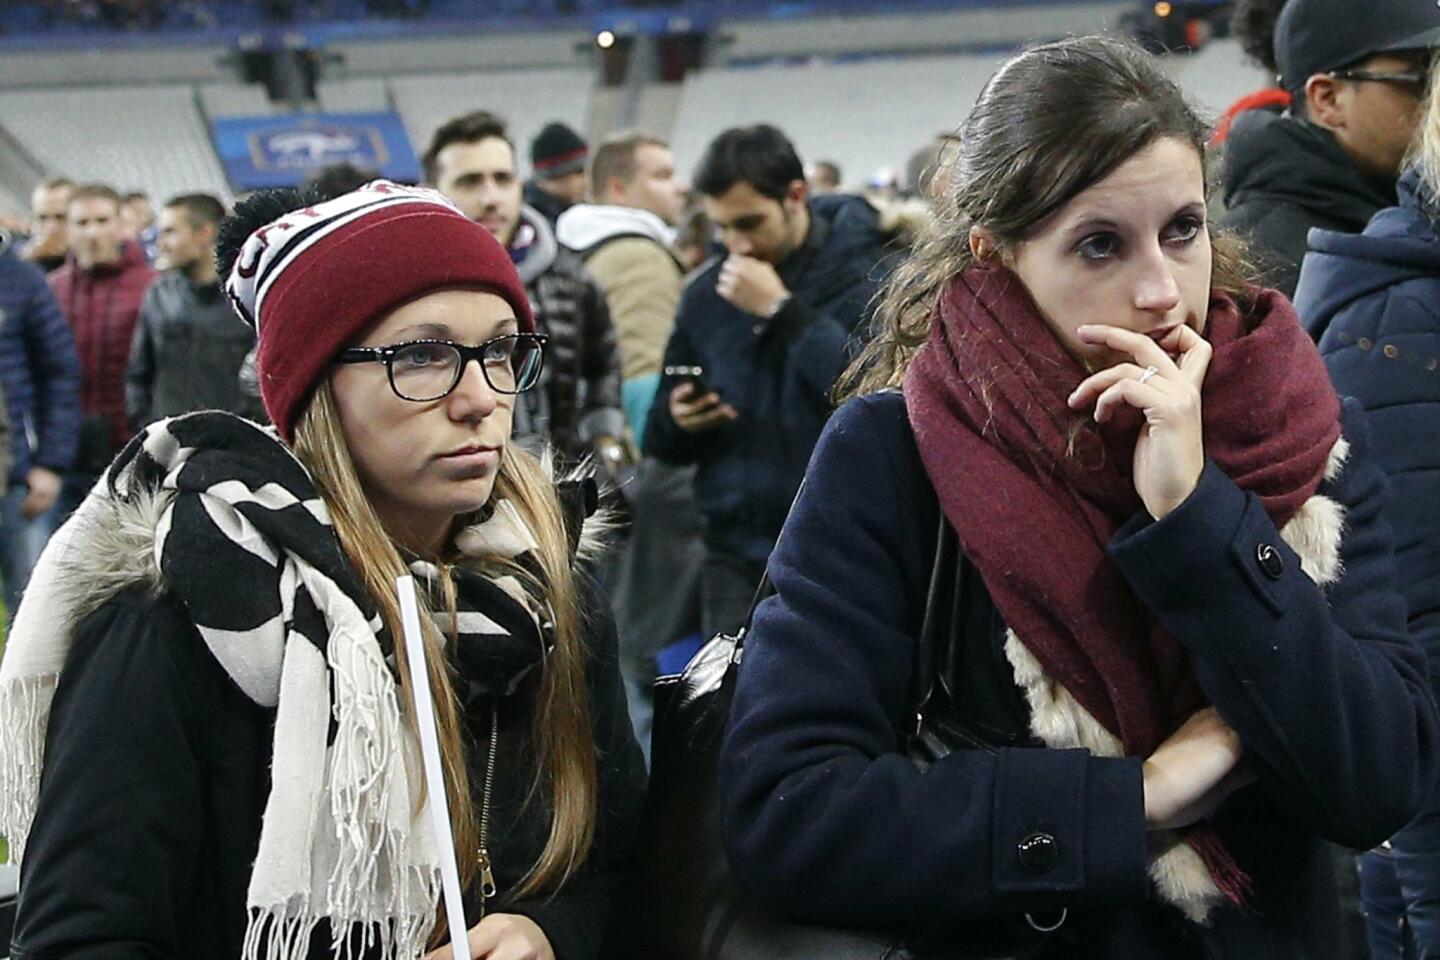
{"x": 478, "y": 460}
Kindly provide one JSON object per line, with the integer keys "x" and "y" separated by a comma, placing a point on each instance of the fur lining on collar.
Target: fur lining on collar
{"x": 1059, "y": 721}
{"x": 123, "y": 553}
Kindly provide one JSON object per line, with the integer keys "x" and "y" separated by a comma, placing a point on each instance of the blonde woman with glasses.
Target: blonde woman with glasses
{"x": 208, "y": 742}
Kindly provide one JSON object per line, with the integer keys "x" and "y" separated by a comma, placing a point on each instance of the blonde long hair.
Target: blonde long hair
{"x": 566, "y": 766}
{"x": 1426, "y": 152}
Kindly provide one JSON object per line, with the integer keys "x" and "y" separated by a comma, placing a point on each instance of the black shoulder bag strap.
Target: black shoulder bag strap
{"x": 934, "y": 624}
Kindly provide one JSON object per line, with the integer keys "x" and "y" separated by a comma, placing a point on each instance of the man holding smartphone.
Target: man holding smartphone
{"x": 769, "y": 327}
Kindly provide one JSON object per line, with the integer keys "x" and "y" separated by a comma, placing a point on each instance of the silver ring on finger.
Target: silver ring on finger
{"x": 1148, "y": 373}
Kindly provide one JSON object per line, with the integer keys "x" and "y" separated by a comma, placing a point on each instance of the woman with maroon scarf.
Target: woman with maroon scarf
{"x": 1176, "y": 645}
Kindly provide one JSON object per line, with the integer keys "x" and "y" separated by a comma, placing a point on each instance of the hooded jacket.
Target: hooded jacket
{"x": 1373, "y": 302}
{"x": 578, "y": 398}
{"x": 776, "y": 373}
{"x": 186, "y": 356}
{"x": 627, "y": 251}
{"x": 1281, "y": 178}
{"x": 39, "y": 370}
{"x": 102, "y": 304}
{"x": 144, "y": 708}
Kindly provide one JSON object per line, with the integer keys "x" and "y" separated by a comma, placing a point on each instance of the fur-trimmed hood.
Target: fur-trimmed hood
{"x": 189, "y": 507}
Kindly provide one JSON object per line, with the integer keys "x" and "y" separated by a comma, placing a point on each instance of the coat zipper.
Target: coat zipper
{"x": 487, "y": 875}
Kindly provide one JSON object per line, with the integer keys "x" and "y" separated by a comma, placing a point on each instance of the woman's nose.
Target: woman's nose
{"x": 473, "y": 396}
{"x": 1156, "y": 290}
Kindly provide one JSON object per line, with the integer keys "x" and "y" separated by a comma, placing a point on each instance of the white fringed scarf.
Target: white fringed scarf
{"x": 209, "y": 502}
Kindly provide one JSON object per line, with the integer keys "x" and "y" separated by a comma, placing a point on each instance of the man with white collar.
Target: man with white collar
{"x": 624, "y": 235}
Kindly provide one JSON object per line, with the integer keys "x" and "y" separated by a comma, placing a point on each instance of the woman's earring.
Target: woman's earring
{"x": 981, "y": 246}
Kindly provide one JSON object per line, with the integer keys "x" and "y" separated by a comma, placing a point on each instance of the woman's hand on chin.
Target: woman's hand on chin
{"x": 503, "y": 936}
{"x": 1169, "y": 453}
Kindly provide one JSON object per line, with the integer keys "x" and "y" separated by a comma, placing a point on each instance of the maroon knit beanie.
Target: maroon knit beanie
{"x": 313, "y": 281}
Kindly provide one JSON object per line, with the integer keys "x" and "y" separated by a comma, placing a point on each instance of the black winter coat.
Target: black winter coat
{"x": 826, "y": 820}
{"x": 156, "y": 777}
{"x": 1281, "y": 178}
{"x": 578, "y": 398}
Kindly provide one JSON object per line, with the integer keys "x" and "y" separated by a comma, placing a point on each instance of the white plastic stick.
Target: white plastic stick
{"x": 434, "y": 773}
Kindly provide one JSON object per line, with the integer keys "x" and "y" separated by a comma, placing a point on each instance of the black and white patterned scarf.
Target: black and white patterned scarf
{"x": 240, "y": 535}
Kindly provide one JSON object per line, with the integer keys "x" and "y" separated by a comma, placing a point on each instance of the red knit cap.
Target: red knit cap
{"x": 313, "y": 281}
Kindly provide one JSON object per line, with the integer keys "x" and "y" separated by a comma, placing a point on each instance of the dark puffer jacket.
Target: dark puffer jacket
{"x": 1373, "y": 302}
{"x": 579, "y": 394}
{"x": 777, "y": 374}
{"x": 39, "y": 369}
{"x": 1283, "y": 177}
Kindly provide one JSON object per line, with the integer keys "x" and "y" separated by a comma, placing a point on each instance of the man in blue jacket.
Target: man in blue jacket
{"x": 760, "y": 337}
{"x": 40, "y": 374}
{"x": 1373, "y": 302}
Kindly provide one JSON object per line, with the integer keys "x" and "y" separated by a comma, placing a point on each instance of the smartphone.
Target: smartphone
{"x": 695, "y": 375}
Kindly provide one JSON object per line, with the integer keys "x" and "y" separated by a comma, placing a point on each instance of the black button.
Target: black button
{"x": 1038, "y": 852}
{"x": 1270, "y": 561}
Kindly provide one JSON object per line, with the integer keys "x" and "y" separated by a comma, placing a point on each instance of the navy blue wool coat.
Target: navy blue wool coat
{"x": 777, "y": 374}
{"x": 828, "y": 820}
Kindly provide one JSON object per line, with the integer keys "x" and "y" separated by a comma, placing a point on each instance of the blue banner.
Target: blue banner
{"x": 282, "y": 151}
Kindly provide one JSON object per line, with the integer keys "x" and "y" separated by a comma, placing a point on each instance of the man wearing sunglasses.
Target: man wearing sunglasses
{"x": 1356, "y": 71}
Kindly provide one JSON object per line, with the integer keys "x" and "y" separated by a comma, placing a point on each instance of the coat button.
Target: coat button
{"x": 1038, "y": 852}
{"x": 1270, "y": 561}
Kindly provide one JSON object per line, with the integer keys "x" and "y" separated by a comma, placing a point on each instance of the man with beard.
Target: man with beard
{"x": 760, "y": 338}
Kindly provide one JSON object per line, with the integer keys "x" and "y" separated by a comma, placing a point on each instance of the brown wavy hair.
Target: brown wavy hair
{"x": 1051, "y": 122}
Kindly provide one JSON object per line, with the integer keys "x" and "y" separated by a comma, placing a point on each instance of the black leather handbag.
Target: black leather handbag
{"x": 681, "y": 902}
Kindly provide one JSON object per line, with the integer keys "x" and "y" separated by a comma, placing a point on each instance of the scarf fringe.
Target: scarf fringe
{"x": 24, "y": 719}
{"x": 278, "y": 935}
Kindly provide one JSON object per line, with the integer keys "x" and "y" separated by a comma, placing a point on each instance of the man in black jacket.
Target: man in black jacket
{"x": 189, "y": 343}
{"x": 769, "y": 326}
{"x": 472, "y": 161}
{"x": 1333, "y": 159}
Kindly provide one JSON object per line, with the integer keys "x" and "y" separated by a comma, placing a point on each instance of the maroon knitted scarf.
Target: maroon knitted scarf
{"x": 1036, "y": 491}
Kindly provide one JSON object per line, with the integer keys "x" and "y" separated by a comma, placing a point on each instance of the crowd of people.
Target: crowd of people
{"x": 1180, "y": 447}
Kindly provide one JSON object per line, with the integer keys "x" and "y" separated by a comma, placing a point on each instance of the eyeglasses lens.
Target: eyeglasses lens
{"x": 428, "y": 371}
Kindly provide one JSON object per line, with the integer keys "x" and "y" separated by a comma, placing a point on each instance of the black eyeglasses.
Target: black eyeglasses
{"x": 1418, "y": 78}
{"x": 424, "y": 370}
